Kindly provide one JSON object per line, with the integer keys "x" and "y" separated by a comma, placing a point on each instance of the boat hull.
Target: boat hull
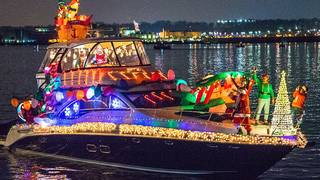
{"x": 159, "y": 155}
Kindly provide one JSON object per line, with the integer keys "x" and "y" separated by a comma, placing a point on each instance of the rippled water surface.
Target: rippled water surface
{"x": 301, "y": 61}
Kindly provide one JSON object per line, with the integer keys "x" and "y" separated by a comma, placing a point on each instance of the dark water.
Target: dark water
{"x": 301, "y": 61}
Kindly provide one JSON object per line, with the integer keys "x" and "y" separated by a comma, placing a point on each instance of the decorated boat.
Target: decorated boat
{"x": 101, "y": 101}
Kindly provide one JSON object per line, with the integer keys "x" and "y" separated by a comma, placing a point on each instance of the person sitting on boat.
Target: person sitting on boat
{"x": 100, "y": 56}
{"x": 266, "y": 95}
{"x": 82, "y": 56}
{"x": 242, "y": 112}
{"x": 298, "y": 102}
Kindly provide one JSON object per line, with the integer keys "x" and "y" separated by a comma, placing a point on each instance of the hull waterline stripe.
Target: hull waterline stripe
{"x": 124, "y": 166}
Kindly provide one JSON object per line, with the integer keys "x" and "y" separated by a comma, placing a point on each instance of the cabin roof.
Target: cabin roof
{"x": 74, "y": 43}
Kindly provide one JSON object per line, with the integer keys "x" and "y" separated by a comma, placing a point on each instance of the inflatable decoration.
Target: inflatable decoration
{"x": 70, "y": 25}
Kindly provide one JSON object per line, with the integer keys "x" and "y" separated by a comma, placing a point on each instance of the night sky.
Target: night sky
{"x": 41, "y": 12}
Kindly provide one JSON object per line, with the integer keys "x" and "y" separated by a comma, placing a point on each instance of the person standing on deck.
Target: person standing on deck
{"x": 299, "y": 97}
{"x": 242, "y": 112}
{"x": 266, "y": 95}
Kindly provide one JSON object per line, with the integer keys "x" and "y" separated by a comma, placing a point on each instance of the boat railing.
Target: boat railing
{"x": 182, "y": 114}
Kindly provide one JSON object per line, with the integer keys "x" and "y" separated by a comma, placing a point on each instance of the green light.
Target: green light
{"x": 172, "y": 124}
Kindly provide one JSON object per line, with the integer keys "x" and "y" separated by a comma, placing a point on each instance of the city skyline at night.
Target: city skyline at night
{"x": 40, "y": 12}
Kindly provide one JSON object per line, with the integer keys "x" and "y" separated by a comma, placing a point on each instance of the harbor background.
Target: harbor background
{"x": 179, "y": 32}
{"x": 301, "y": 61}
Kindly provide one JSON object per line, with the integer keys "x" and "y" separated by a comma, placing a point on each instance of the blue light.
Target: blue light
{"x": 68, "y": 112}
{"x": 45, "y": 122}
{"x": 59, "y": 96}
{"x": 76, "y": 108}
{"x": 116, "y": 103}
{"x": 90, "y": 93}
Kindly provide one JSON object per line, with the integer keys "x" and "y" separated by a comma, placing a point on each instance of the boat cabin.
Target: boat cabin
{"x": 85, "y": 54}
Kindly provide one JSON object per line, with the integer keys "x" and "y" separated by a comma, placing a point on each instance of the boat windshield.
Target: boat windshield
{"x": 98, "y": 54}
{"x": 75, "y": 58}
{"x": 80, "y": 107}
{"x": 52, "y": 55}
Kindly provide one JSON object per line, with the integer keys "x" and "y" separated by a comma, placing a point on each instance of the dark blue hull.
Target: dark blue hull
{"x": 160, "y": 155}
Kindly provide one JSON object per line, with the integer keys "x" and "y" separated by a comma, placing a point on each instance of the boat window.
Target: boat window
{"x": 48, "y": 58}
{"x": 78, "y": 108}
{"x": 94, "y": 104}
{"x": 116, "y": 103}
{"x": 102, "y": 55}
{"x": 71, "y": 111}
{"x": 126, "y": 53}
{"x": 142, "y": 53}
{"x": 75, "y": 57}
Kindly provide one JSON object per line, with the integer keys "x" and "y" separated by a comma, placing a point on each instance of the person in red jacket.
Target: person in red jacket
{"x": 242, "y": 111}
{"x": 299, "y": 98}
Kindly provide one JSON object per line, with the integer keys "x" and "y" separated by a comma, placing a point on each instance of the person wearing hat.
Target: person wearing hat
{"x": 242, "y": 112}
{"x": 299, "y": 97}
{"x": 266, "y": 95}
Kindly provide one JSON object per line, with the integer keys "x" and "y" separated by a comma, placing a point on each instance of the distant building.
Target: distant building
{"x": 26, "y": 35}
{"x": 180, "y": 35}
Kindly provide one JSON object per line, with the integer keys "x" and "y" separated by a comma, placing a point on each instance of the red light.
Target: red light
{"x": 166, "y": 96}
{"x": 150, "y": 100}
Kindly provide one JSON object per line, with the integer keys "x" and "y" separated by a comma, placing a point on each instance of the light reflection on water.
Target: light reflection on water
{"x": 301, "y": 61}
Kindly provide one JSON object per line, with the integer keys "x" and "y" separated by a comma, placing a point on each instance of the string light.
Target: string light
{"x": 101, "y": 74}
{"x": 72, "y": 78}
{"x": 111, "y": 76}
{"x": 156, "y": 96}
{"x": 159, "y": 132}
{"x": 96, "y": 127}
{"x": 150, "y": 100}
{"x": 86, "y": 79}
{"x": 281, "y": 123}
{"x": 79, "y": 77}
{"x": 125, "y": 76}
{"x": 166, "y": 96}
{"x": 145, "y": 74}
{"x": 134, "y": 74}
{"x": 92, "y": 76}
{"x": 162, "y": 75}
{"x": 64, "y": 79}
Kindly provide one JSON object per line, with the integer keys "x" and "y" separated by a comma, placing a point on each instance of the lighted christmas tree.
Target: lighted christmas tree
{"x": 281, "y": 123}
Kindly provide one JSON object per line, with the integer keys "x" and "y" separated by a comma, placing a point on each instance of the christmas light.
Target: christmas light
{"x": 166, "y": 96}
{"x": 150, "y": 100}
{"x": 125, "y": 76}
{"x": 111, "y": 76}
{"x": 79, "y": 77}
{"x": 156, "y": 96}
{"x": 101, "y": 74}
{"x": 282, "y": 123}
{"x": 159, "y": 132}
{"x": 59, "y": 96}
{"x": 90, "y": 92}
